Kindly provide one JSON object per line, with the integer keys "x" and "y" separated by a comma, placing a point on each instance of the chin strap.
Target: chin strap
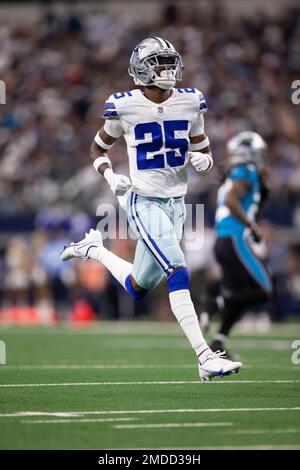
{"x": 166, "y": 79}
{"x": 165, "y": 85}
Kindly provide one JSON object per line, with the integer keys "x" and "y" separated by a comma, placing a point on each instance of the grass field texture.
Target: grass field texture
{"x": 136, "y": 386}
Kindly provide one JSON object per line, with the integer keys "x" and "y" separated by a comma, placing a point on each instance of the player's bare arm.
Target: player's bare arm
{"x": 201, "y": 139}
{"x": 97, "y": 151}
{"x": 119, "y": 184}
{"x": 233, "y": 200}
{"x": 238, "y": 190}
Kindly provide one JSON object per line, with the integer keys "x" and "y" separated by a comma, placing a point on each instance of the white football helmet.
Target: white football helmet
{"x": 155, "y": 62}
{"x": 247, "y": 147}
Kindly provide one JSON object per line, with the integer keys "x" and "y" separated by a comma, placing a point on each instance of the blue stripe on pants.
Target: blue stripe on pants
{"x": 253, "y": 265}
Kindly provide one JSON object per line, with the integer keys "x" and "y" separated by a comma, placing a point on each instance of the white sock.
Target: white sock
{"x": 183, "y": 309}
{"x": 118, "y": 267}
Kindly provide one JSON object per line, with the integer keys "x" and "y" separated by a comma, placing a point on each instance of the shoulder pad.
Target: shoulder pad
{"x": 196, "y": 96}
{"x": 240, "y": 172}
{"x": 110, "y": 109}
{"x": 113, "y": 104}
{"x": 201, "y": 101}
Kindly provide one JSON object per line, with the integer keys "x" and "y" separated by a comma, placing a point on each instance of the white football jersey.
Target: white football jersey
{"x": 157, "y": 137}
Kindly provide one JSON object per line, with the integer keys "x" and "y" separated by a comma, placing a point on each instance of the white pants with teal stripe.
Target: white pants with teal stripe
{"x": 158, "y": 223}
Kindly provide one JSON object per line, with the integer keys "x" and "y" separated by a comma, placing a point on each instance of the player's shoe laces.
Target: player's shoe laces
{"x": 81, "y": 249}
{"x": 217, "y": 345}
{"x": 216, "y": 365}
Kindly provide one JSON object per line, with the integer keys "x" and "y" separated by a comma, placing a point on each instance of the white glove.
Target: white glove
{"x": 201, "y": 161}
{"x": 119, "y": 184}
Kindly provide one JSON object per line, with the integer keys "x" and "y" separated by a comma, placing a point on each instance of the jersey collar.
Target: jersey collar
{"x": 163, "y": 103}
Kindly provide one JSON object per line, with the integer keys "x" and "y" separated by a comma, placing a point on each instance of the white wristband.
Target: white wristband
{"x": 101, "y": 143}
{"x": 99, "y": 161}
{"x": 200, "y": 145}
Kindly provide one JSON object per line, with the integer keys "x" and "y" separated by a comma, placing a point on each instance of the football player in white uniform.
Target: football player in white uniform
{"x": 163, "y": 128}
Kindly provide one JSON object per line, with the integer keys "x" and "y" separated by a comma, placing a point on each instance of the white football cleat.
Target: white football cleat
{"x": 216, "y": 365}
{"x": 81, "y": 248}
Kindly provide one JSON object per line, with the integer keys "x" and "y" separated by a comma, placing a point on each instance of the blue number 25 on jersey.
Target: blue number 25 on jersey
{"x": 161, "y": 136}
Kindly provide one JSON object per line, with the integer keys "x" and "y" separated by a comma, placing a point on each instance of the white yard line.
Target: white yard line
{"x": 170, "y": 425}
{"x": 99, "y": 366}
{"x": 62, "y": 414}
{"x": 172, "y": 382}
{"x": 68, "y": 421}
{"x": 158, "y": 411}
{"x": 266, "y": 431}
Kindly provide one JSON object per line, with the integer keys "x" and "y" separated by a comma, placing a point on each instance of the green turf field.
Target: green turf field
{"x": 135, "y": 385}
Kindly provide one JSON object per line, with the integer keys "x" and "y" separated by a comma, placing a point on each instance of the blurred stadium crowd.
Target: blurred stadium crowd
{"x": 59, "y": 72}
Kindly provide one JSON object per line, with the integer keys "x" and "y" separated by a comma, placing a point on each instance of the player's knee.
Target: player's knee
{"x": 178, "y": 279}
{"x": 136, "y": 291}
